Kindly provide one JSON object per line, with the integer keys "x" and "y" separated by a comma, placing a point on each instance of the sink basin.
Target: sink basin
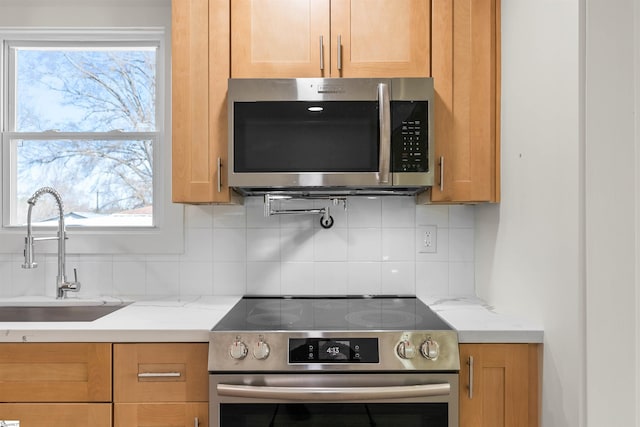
{"x": 57, "y": 310}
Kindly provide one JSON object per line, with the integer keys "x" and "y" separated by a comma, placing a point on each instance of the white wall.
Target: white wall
{"x": 611, "y": 200}
{"x": 561, "y": 247}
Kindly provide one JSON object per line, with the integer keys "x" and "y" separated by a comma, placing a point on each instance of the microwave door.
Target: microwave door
{"x": 309, "y": 144}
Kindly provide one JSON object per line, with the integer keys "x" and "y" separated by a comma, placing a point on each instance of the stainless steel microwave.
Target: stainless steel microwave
{"x": 331, "y": 136}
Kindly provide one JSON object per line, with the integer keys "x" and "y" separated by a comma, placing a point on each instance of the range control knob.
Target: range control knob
{"x": 238, "y": 350}
{"x": 406, "y": 350}
{"x": 430, "y": 349}
{"x": 261, "y": 350}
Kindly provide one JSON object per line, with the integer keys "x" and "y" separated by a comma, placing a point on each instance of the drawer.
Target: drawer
{"x": 171, "y": 372}
{"x": 161, "y": 415}
{"x": 57, "y": 414}
{"x": 60, "y": 372}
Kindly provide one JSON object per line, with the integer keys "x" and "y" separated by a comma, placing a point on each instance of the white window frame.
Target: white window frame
{"x": 166, "y": 235}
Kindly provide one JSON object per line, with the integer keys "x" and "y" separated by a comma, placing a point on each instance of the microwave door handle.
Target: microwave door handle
{"x": 384, "y": 108}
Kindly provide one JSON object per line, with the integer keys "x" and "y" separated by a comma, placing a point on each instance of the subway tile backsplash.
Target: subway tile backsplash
{"x": 374, "y": 247}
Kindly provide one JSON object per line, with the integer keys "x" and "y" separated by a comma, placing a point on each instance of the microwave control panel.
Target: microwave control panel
{"x": 409, "y": 136}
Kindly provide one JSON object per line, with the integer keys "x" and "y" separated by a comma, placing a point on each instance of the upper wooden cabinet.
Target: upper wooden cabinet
{"x": 200, "y": 69}
{"x": 330, "y": 38}
{"x": 465, "y": 62}
{"x": 457, "y": 42}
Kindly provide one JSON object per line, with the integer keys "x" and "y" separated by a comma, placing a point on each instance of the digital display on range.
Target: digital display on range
{"x": 336, "y": 350}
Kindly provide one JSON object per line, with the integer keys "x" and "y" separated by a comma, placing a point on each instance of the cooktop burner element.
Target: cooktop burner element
{"x": 332, "y": 334}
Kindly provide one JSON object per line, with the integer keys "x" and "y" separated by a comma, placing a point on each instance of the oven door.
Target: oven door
{"x": 337, "y": 400}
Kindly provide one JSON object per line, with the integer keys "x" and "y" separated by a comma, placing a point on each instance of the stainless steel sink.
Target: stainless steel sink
{"x": 57, "y": 312}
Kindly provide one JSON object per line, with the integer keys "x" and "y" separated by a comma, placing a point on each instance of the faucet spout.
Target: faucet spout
{"x": 62, "y": 285}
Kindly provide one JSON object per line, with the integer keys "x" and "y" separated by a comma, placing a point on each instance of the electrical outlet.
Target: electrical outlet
{"x": 427, "y": 239}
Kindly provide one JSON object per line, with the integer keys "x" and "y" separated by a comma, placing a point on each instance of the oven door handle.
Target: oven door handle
{"x": 334, "y": 393}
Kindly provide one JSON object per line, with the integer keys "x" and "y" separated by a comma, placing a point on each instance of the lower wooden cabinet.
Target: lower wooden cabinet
{"x": 70, "y": 384}
{"x": 57, "y": 414}
{"x": 160, "y": 384}
{"x": 499, "y": 385}
{"x": 55, "y": 384}
{"x": 161, "y": 414}
{"x": 55, "y": 372}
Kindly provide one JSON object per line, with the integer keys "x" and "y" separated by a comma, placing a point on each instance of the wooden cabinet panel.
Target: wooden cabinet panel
{"x": 65, "y": 372}
{"x": 280, "y": 38}
{"x": 160, "y": 373}
{"x": 465, "y": 67}
{"x": 161, "y": 414}
{"x": 382, "y": 38}
{"x": 200, "y": 69}
{"x": 330, "y": 38}
{"x": 505, "y": 385}
{"x": 56, "y": 415}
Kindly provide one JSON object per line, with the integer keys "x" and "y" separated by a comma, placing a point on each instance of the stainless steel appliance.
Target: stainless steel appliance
{"x": 331, "y": 136}
{"x": 339, "y": 361}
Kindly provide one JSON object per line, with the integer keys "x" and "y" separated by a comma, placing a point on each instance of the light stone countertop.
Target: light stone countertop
{"x": 477, "y": 322}
{"x": 158, "y": 320}
{"x": 190, "y": 320}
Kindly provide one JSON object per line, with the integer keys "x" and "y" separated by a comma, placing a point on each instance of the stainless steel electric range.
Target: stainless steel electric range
{"x": 339, "y": 361}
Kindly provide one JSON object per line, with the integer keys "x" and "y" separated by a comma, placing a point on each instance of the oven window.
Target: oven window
{"x": 301, "y": 136}
{"x": 334, "y": 415}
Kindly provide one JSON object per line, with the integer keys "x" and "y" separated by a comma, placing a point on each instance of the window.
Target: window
{"x": 83, "y": 112}
{"x": 82, "y": 119}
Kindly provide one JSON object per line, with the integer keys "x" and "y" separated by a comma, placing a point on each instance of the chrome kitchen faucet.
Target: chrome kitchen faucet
{"x": 62, "y": 286}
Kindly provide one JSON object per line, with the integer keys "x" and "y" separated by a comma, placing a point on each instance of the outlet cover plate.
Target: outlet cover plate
{"x": 427, "y": 239}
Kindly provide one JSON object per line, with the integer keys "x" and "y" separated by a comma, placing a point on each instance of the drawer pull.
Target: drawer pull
{"x": 158, "y": 374}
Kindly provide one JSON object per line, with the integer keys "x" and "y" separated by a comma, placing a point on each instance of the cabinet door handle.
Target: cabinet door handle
{"x": 158, "y": 374}
{"x": 9, "y": 423}
{"x": 196, "y": 422}
{"x": 470, "y": 363}
{"x": 441, "y": 174}
{"x": 219, "y": 175}
{"x": 339, "y": 52}
{"x": 321, "y": 54}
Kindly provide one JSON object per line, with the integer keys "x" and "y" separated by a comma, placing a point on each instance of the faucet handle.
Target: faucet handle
{"x": 69, "y": 286}
{"x": 75, "y": 285}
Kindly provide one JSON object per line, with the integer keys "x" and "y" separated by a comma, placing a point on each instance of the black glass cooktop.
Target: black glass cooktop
{"x": 343, "y": 313}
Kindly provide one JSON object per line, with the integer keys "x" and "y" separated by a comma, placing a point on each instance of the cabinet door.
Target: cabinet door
{"x": 57, "y": 415}
{"x": 200, "y": 69}
{"x": 380, "y": 38}
{"x": 500, "y": 387}
{"x": 280, "y": 38}
{"x": 55, "y": 372}
{"x": 465, "y": 67}
{"x": 161, "y": 414}
{"x": 160, "y": 372}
